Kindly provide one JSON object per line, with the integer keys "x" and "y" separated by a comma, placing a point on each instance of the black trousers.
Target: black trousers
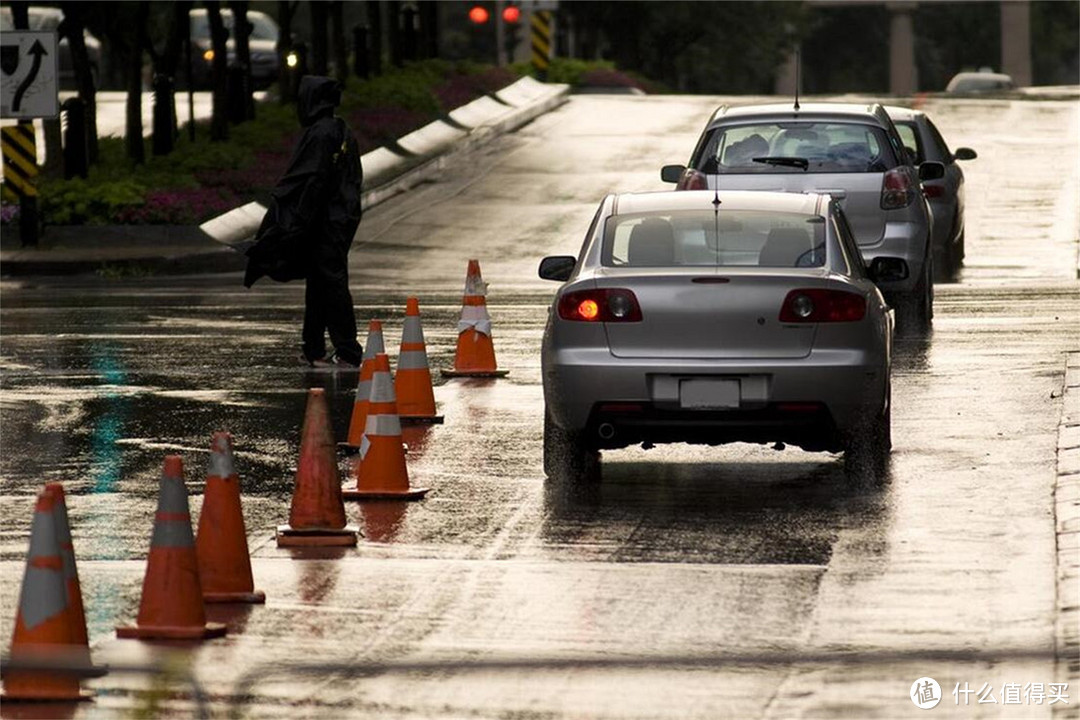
{"x": 328, "y": 307}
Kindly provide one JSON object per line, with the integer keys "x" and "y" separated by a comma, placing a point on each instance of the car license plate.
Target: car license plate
{"x": 709, "y": 394}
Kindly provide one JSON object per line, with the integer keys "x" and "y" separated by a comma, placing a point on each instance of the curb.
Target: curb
{"x": 1067, "y": 527}
{"x": 393, "y": 173}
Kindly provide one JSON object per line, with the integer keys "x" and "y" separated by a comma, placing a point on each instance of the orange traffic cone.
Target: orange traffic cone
{"x": 475, "y": 355}
{"x": 381, "y": 472}
{"x": 412, "y": 384}
{"x": 317, "y": 514}
{"x": 372, "y": 347}
{"x": 71, "y": 573}
{"x": 44, "y": 626}
{"x": 172, "y": 603}
{"x": 221, "y": 545}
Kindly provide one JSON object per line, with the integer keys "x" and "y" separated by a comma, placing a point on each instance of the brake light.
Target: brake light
{"x": 933, "y": 191}
{"x": 897, "y": 188}
{"x": 600, "y": 305}
{"x": 692, "y": 180}
{"x": 817, "y": 305}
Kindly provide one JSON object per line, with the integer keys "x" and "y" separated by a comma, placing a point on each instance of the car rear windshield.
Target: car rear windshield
{"x": 750, "y": 238}
{"x": 795, "y": 147}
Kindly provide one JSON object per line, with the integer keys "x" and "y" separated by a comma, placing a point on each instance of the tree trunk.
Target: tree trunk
{"x": 284, "y": 47}
{"x": 74, "y": 24}
{"x": 133, "y": 132}
{"x": 429, "y": 28}
{"x": 319, "y": 59}
{"x": 337, "y": 41}
{"x": 219, "y": 36}
{"x": 242, "y": 32}
{"x": 375, "y": 37}
{"x": 393, "y": 24}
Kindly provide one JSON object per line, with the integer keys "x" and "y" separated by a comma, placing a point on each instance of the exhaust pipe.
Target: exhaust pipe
{"x": 606, "y": 431}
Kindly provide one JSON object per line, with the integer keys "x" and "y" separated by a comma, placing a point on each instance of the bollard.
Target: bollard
{"x": 76, "y": 139}
{"x": 301, "y": 69}
{"x": 164, "y": 118}
{"x": 360, "y": 52}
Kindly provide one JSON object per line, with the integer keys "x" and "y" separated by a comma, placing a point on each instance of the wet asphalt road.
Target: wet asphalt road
{"x": 681, "y": 550}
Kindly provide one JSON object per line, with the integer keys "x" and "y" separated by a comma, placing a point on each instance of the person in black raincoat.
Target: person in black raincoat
{"x": 313, "y": 215}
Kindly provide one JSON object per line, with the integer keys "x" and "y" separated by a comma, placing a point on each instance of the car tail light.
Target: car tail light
{"x": 692, "y": 180}
{"x": 601, "y": 305}
{"x": 897, "y": 188}
{"x": 933, "y": 191}
{"x": 815, "y": 305}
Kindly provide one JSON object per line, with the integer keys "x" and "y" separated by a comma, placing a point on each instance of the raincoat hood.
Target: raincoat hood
{"x": 318, "y": 96}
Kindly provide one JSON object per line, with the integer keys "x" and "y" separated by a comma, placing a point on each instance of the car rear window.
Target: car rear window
{"x": 706, "y": 238}
{"x": 833, "y": 147}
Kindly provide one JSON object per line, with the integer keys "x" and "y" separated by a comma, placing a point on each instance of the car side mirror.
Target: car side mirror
{"x": 888, "y": 269}
{"x": 965, "y": 154}
{"x": 557, "y": 267}
{"x": 672, "y": 173}
{"x": 931, "y": 170}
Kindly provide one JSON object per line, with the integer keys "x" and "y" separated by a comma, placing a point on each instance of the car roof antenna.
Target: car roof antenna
{"x": 798, "y": 63}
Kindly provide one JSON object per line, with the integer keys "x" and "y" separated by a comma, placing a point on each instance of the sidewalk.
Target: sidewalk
{"x": 172, "y": 249}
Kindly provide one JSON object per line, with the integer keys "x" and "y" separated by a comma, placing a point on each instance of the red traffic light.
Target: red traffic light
{"x": 511, "y": 13}
{"x": 478, "y": 14}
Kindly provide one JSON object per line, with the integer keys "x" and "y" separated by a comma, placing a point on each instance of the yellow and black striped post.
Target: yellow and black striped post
{"x": 20, "y": 176}
{"x": 540, "y": 31}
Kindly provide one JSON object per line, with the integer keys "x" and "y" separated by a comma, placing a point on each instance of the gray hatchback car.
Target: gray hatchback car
{"x": 715, "y": 317}
{"x": 945, "y": 195}
{"x": 851, "y": 152}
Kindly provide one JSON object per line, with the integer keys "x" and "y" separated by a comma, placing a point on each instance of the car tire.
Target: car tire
{"x": 567, "y": 456}
{"x": 869, "y": 445}
{"x": 956, "y": 255}
{"x": 916, "y": 311}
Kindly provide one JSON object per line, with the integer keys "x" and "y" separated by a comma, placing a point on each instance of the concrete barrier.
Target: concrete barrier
{"x": 525, "y": 91}
{"x": 433, "y": 138}
{"x": 380, "y": 164}
{"x": 481, "y": 111}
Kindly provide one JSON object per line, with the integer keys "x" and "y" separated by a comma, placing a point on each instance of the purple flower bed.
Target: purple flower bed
{"x": 607, "y": 78}
{"x": 9, "y": 212}
{"x": 179, "y": 207}
{"x": 463, "y": 89}
{"x": 377, "y": 126}
{"x": 259, "y": 176}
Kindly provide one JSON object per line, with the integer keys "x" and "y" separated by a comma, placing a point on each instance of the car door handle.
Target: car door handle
{"x": 836, "y": 193}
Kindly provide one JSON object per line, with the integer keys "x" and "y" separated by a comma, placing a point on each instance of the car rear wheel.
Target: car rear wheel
{"x": 916, "y": 311}
{"x": 567, "y": 455}
{"x": 866, "y": 455}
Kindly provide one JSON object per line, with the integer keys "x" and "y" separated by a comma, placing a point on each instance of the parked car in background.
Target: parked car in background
{"x": 48, "y": 19}
{"x": 262, "y": 43}
{"x": 979, "y": 82}
{"x": 716, "y": 317}
{"x": 946, "y": 194}
{"x": 851, "y": 152}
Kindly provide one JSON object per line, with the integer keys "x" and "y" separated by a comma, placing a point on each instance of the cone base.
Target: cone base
{"x": 166, "y": 632}
{"x": 256, "y": 596}
{"x": 421, "y": 419}
{"x": 453, "y": 373}
{"x": 81, "y": 696}
{"x": 290, "y": 537}
{"x": 410, "y": 494}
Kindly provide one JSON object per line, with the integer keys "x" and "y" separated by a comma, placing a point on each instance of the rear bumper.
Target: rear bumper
{"x": 906, "y": 240}
{"x": 811, "y": 401}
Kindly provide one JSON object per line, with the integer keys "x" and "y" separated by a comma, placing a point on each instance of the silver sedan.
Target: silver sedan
{"x": 714, "y": 317}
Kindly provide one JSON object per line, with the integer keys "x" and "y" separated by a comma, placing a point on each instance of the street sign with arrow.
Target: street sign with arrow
{"x": 28, "y": 75}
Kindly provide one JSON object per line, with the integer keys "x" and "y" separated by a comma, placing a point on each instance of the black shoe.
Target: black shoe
{"x": 336, "y": 361}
